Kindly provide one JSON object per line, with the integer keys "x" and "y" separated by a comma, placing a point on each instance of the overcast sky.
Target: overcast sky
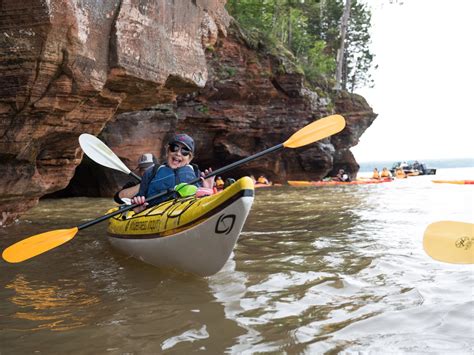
{"x": 423, "y": 86}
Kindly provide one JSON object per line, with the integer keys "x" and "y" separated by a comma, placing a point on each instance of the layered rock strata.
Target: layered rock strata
{"x": 67, "y": 67}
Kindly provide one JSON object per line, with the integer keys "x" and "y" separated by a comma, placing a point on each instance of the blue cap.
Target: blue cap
{"x": 185, "y": 140}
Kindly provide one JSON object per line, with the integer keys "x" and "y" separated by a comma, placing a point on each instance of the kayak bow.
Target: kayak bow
{"x": 195, "y": 235}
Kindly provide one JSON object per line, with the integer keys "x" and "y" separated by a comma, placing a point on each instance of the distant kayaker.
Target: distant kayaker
{"x": 219, "y": 183}
{"x": 262, "y": 180}
{"x": 400, "y": 174}
{"x": 375, "y": 174}
{"x": 385, "y": 173}
{"x": 176, "y": 170}
{"x": 342, "y": 176}
{"x": 131, "y": 188}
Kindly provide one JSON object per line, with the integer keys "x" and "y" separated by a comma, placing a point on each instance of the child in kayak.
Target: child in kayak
{"x": 176, "y": 170}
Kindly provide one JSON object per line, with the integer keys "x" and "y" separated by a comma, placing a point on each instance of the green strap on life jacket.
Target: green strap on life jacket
{"x": 185, "y": 190}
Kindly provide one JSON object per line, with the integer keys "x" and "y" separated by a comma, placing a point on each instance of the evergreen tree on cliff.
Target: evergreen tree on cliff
{"x": 312, "y": 31}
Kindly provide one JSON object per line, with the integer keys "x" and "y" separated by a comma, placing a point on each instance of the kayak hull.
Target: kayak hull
{"x": 200, "y": 237}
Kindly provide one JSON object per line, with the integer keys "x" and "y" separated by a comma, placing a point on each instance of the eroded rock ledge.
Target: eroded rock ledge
{"x": 134, "y": 72}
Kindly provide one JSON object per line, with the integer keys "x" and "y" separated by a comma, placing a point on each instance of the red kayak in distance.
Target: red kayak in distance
{"x": 333, "y": 183}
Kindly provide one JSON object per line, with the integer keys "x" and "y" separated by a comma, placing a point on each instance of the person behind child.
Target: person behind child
{"x": 375, "y": 174}
{"x": 176, "y": 170}
{"x": 131, "y": 188}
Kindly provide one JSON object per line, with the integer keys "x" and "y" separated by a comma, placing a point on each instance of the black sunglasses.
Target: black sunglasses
{"x": 175, "y": 148}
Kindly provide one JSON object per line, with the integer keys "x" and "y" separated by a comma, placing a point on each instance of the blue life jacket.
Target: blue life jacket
{"x": 164, "y": 178}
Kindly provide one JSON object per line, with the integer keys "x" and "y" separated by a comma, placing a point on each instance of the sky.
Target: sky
{"x": 423, "y": 85}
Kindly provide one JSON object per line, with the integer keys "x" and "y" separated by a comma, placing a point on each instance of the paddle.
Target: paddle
{"x": 101, "y": 154}
{"x": 449, "y": 241}
{"x": 40, "y": 243}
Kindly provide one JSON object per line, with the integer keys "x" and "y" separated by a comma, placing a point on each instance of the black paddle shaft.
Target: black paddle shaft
{"x": 169, "y": 192}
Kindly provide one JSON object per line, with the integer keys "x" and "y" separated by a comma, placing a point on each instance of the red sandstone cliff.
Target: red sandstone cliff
{"x": 68, "y": 69}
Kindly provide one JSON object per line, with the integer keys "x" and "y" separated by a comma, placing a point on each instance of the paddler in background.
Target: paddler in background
{"x": 263, "y": 180}
{"x": 375, "y": 174}
{"x": 400, "y": 174}
{"x": 219, "y": 184}
{"x": 385, "y": 173}
{"x": 342, "y": 176}
{"x": 175, "y": 171}
{"x": 131, "y": 188}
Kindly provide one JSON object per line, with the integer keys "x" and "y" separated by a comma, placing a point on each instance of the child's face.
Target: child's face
{"x": 178, "y": 156}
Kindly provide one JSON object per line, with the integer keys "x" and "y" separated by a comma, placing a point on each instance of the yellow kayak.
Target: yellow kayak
{"x": 191, "y": 234}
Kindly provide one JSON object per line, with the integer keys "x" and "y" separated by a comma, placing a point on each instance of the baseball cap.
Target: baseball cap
{"x": 185, "y": 140}
{"x": 146, "y": 160}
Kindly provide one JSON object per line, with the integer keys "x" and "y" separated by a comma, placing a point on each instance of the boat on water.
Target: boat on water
{"x": 457, "y": 182}
{"x": 414, "y": 168}
{"x": 195, "y": 235}
{"x": 297, "y": 183}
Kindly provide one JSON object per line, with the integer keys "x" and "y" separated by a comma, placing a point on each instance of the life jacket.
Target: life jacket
{"x": 164, "y": 178}
{"x": 375, "y": 175}
{"x": 385, "y": 173}
{"x": 400, "y": 173}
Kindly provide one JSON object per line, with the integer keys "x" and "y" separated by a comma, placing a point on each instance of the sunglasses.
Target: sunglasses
{"x": 174, "y": 148}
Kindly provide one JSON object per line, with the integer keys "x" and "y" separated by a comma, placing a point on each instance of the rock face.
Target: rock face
{"x": 66, "y": 67}
{"x": 252, "y": 100}
{"x": 70, "y": 67}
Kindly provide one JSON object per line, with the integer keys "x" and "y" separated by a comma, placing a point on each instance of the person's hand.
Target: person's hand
{"x": 139, "y": 200}
{"x": 209, "y": 182}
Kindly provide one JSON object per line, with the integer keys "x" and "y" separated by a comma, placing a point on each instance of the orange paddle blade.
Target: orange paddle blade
{"x": 37, "y": 244}
{"x": 449, "y": 241}
{"x": 315, "y": 131}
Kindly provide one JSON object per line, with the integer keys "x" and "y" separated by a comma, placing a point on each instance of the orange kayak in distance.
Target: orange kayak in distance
{"x": 458, "y": 182}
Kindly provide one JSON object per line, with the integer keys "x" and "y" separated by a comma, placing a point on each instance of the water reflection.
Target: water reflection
{"x": 58, "y": 307}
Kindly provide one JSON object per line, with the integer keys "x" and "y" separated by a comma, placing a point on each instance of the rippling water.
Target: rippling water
{"x": 322, "y": 269}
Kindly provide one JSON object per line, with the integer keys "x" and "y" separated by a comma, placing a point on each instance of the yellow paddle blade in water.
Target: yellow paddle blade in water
{"x": 37, "y": 244}
{"x": 315, "y": 131}
{"x": 449, "y": 241}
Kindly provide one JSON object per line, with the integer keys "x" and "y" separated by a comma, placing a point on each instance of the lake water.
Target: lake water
{"x": 321, "y": 269}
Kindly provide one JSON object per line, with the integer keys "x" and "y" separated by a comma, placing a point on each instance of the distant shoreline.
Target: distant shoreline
{"x": 367, "y": 166}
